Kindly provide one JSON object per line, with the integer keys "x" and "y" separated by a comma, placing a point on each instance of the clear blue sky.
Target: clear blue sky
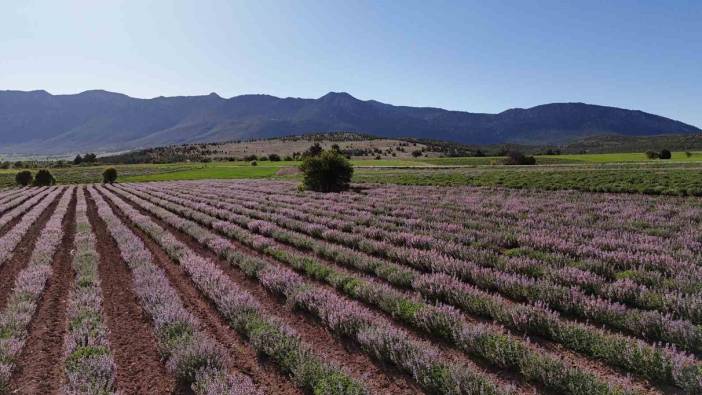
{"x": 482, "y": 56}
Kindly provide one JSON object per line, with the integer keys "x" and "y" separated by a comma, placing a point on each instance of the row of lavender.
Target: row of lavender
{"x": 31, "y": 281}
{"x": 591, "y": 275}
{"x": 191, "y": 355}
{"x": 89, "y": 362}
{"x": 686, "y": 306}
{"x": 432, "y": 227}
{"x": 534, "y": 364}
{"x": 658, "y": 364}
{"x": 623, "y": 231}
{"x": 374, "y": 334}
{"x": 267, "y": 335}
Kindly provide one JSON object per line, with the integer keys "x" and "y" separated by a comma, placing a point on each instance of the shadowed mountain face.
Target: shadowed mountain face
{"x": 41, "y": 123}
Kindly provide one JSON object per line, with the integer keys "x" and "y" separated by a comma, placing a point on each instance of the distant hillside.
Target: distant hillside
{"x": 607, "y": 144}
{"x": 354, "y": 145}
{"x": 42, "y": 123}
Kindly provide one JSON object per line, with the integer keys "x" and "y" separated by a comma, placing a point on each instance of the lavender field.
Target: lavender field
{"x": 253, "y": 287}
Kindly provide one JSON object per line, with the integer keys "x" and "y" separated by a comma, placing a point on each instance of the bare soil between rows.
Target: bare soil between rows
{"x": 139, "y": 366}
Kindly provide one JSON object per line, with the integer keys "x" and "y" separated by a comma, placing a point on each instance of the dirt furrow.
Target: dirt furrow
{"x": 380, "y": 378}
{"x": 139, "y": 366}
{"x": 244, "y": 358}
{"x": 22, "y": 253}
{"x": 40, "y": 365}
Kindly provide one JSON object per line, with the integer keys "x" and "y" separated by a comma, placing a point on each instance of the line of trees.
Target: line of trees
{"x": 89, "y": 158}
{"x": 45, "y": 178}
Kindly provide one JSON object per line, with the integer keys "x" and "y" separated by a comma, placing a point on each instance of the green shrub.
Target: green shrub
{"x": 44, "y": 178}
{"x": 651, "y": 155}
{"x": 328, "y": 172}
{"x": 665, "y": 154}
{"x": 518, "y": 158}
{"x": 274, "y": 158}
{"x": 24, "y": 178}
{"x": 109, "y": 176}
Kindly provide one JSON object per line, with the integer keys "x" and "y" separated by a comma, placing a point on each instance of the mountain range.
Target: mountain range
{"x": 37, "y": 122}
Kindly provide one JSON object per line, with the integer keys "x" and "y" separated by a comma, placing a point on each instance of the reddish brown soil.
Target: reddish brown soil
{"x": 243, "y": 357}
{"x": 139, "y": 367}
{"x": 39, "y": 366}
{"x": 20, "y": 256}
{"x": 379, "y": 378}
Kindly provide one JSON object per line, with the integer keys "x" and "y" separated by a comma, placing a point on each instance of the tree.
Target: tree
{"x": 518, "y": 158}
{"x": 78, "y": 160}
{"x": 327, "y": 172}
{"x": 665, "y": 154}
{"x": 90, "y": 158}
{"x": 314, "y": 150}
{"x": 651, "y": 155}
{"x": 24, "y": 178}
{"x": 274, "y": 158}
{"x": 417, "y": 153}
{"x": 109, "y": 176}
{"x": 44, "y": 178}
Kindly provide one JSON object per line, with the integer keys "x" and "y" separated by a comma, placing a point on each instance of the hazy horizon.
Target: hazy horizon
{"x": 466, "y": 56}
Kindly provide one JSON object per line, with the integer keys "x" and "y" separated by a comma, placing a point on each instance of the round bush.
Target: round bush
{"x": 518, "y": 158}
{"x": 327, "y": 172}
{"x": 665, "y": 154}
{"x": 109, "y": 176}
{"x": 24, "y": 178}
{"x": 44, "y": 178}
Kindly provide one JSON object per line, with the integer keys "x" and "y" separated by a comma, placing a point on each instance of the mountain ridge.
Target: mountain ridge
{"x": 39, "y": 122}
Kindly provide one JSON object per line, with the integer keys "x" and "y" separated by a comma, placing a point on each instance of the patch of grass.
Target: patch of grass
{"x": 656, "y": 180}
{"x": 626, "y": 157}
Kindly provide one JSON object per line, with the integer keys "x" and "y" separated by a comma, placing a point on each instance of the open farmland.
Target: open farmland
{"x": 254, "y": 287}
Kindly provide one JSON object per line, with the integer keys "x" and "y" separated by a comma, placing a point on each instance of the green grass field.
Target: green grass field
{"x": 626, "y": 157}
{"x": 625, "y": 172}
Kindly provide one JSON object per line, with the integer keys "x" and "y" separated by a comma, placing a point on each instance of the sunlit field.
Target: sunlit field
{"x": 384, "y": 289}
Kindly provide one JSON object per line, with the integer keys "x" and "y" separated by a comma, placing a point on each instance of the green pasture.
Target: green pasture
{"x": 624, "y": 172}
